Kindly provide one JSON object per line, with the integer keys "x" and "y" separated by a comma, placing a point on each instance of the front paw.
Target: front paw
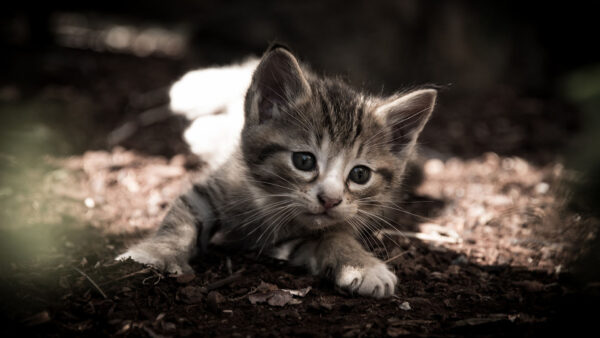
{"x": 171, "y": 264}
{"x": 374, "y": 280}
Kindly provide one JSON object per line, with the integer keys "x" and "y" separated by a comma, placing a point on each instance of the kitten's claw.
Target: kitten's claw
{"x": 169, "y": 264}
{"x": 375, "y": 281}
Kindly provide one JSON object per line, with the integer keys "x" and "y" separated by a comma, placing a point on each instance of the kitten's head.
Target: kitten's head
{"x": 321, "y": 153}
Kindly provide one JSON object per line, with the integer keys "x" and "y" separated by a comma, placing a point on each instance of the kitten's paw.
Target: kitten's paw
{"x": 372, "y": 281}
{"x": 171, "y": 265}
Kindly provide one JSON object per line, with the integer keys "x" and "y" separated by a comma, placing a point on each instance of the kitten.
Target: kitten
{"x": 317, "y": 163}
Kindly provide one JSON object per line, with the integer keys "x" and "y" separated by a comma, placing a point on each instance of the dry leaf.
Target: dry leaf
{"x": 405, "y": 306}
{"x": 279, "y": 298}
{"x": 274, "y": 296}
{"x": 298, "y": 293}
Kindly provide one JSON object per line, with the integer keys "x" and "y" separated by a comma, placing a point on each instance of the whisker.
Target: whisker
{"x": 372, "y": 231}
{"x": 289, "y": 215}
{"x": 366, "y": 226}
{"x": 379, "y": 218}
{"x": 399, "y": 209}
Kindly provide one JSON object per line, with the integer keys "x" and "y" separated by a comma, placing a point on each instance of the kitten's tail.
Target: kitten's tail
{"x": 211, "y": 90}
{"x": 213, "y": 100}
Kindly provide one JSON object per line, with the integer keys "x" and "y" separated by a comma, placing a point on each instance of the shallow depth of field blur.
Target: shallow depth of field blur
{"x": 501, "y": 235}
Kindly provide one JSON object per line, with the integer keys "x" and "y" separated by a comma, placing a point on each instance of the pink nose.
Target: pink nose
{"x": 328, "y": 202}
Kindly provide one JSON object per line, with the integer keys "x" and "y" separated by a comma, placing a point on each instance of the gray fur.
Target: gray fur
{"x": 259, "y": 201}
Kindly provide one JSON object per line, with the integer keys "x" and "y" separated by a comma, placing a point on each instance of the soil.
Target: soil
{"x": 486, "y": 247}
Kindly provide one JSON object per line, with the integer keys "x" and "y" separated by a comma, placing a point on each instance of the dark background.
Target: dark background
{"x": 508, "y": 71}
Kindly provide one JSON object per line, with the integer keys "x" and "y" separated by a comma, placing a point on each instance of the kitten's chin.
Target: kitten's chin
{"x": 318, "y": 221}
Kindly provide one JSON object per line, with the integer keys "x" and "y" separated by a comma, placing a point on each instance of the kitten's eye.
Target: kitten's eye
{"x": 360, "y": 174}
{"x": 304, "y": 161}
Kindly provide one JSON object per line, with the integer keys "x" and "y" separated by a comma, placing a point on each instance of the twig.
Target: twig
{"x": 397, "y": 256}
{"x": 92, "y": 281}
{"x": 160, "y": 277}
{"x": 227, "y": 280}
{"x": 127, "y": 276}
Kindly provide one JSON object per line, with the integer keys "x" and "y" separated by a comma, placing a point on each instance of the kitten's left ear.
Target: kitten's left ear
{"x": 277, "y": 85}
{"x": 406, "y": 116}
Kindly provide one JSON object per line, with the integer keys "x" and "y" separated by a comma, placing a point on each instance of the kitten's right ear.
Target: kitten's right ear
{"x": 406, "y": 116}
{"x": 277, "y": 85}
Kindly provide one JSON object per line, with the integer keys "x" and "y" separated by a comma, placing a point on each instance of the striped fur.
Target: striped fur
{"x": 259, "y": 200}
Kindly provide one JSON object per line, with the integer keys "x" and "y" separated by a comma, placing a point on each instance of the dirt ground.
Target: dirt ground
{"x": 487, "y": 245}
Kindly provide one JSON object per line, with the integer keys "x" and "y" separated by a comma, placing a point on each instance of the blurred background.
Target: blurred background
{"x": 517, "y": 77}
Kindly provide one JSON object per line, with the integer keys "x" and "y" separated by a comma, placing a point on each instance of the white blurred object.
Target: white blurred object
{"x": 213, "y": 99}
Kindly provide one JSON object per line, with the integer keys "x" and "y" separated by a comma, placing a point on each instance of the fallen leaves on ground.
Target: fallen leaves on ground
{"x": 274, "y": 296}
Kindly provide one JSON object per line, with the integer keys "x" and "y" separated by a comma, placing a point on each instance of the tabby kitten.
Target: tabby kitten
{"x": 318, "y": 162}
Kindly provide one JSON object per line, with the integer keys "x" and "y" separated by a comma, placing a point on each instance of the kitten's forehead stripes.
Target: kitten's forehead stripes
{"x": 358, "y": 122}
{"x": 342, "y": 112}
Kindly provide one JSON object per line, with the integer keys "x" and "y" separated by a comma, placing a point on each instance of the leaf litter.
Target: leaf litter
{"x": 274, "y": 296}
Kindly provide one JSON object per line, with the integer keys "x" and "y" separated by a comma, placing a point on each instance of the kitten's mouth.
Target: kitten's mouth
{"x": 323, "y": 213}
{"x": 318, "y": 220}
{"x": 321, "y": 217}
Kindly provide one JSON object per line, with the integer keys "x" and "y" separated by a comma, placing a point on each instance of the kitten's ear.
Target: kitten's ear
{"x": 406, "y": 116}
{"x": 277, "y": 84}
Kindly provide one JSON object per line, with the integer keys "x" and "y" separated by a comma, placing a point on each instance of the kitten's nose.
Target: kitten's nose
{"x": 328, "y": 202}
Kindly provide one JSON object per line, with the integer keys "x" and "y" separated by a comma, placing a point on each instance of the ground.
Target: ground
{"x": 487, "y": 246}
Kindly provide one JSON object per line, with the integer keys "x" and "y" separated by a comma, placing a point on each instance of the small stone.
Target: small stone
{"x": 215, "y": 299}
{"x": 405, "y": 306}
{"x": 542, "y": 188}
{"x": 89, "y": 202}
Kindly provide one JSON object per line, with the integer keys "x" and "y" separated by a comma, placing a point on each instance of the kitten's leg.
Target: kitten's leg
{"x": 175, "y": 242}
{"x": 341, "y": 258}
